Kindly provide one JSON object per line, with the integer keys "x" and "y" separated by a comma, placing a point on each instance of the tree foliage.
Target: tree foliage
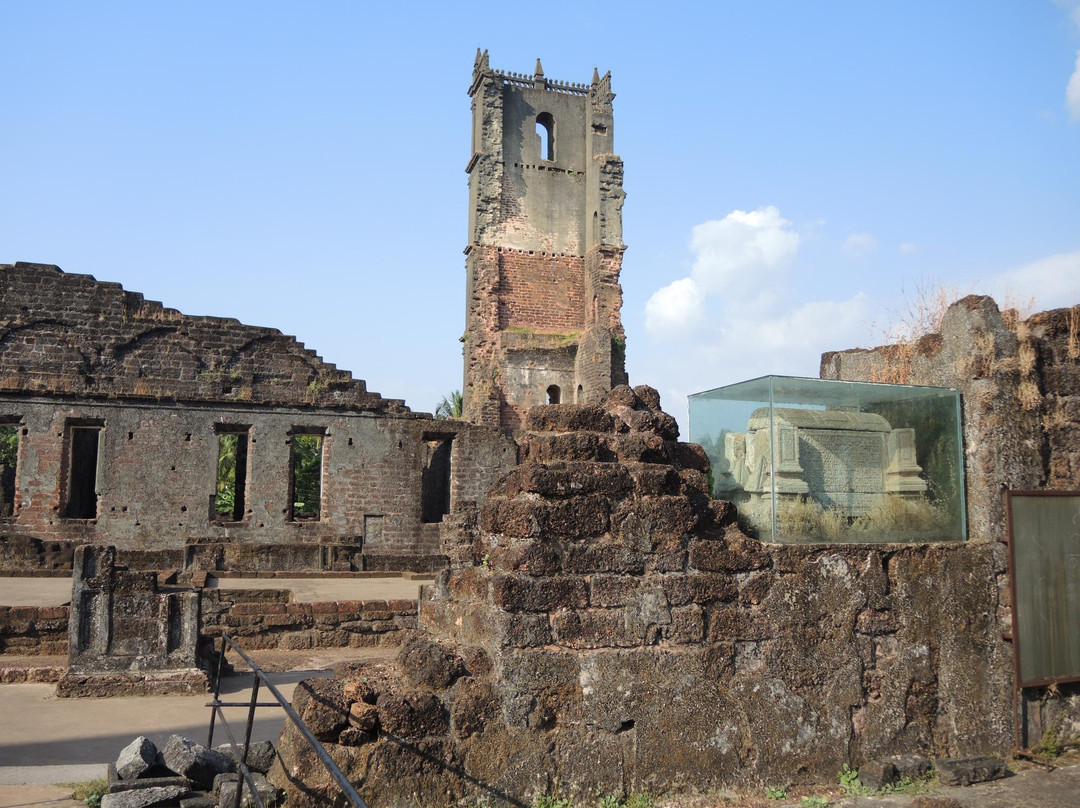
{"x": 307, "y": 475}
{"x": 9, "y": 445}
{"x": 450, "y": 407}
{"x": 225, "y": 496}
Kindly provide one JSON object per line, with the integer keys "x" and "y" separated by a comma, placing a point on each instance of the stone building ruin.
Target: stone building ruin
{"x": 600, "y": 623}
{"x": 117, "y": 410}
{"x": 545, "y": 245}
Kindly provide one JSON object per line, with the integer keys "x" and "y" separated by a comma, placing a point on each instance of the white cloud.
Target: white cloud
{"x": 859, "y": 245}
{"x": 1072, "y": 92}
{"x": 734, "y": 253}
{"x": 1073, "y": 9}
{"x": 675, "y": 309}
{"x": 1053, "y": 282}
{"x": 737, "y": 315}
{"x": 907, "y": 247}
{"x": 818, "y": 325}
{"x": 739, "y": 257}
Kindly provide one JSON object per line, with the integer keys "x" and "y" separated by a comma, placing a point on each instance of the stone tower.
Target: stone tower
{"x": 545, "y": 245}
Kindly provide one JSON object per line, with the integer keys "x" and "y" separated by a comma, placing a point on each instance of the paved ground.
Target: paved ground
{"x": 35, "y": 591}
{"x": 38, "y": 729}
{"x": 57, "y": 591}
{"x": 51, "y": 796}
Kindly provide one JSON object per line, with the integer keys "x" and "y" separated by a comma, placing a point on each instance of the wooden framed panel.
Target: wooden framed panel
{"x": 1044, "y": 575}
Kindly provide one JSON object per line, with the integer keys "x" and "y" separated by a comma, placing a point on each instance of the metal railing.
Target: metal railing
{"x": 260, "y": 677}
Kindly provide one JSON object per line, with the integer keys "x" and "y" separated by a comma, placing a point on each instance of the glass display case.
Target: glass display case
{"x": 817, "y": 460}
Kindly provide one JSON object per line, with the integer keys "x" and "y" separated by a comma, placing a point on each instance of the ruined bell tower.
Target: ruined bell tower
{"x": 545, "y": 245}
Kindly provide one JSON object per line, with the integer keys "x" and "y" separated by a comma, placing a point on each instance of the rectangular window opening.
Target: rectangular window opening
{"x": 232, "y": 470}
{"x": 82, "y": 495}
{"x": 435, "y": 480}
{"x": 306, "y": 476}
{"x": 9, "y": 461}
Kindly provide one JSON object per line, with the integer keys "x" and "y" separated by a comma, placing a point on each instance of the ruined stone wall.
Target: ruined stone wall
{"x": 64, "y": 333}
{"x": 608, "y": 629}
{"x": 259, "y": 618}
{"x": 157, "y": 474}
{"x": 32, "y": 557}
{"x": 160, "y": 388}
{"x": 1020, "y": 387}
{"x": 33, "y": 630}
{"x": 269, "y": 618}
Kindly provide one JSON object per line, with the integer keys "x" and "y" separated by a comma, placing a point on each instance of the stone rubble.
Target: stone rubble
{"x": 199, "y": 777}
{"x": 968, "y": 770}
{"x": 137, "y": 758}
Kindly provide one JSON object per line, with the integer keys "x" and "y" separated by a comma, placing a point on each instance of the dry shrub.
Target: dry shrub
{"x": 892, "y": 516}
{"x": 1027, "y": 358}
{"x": 897, "y": 515}
{"x": 920, "y": 314}
{"x": 1028, "y": 395}
{"x": 895, "y": 364}
{"x": 804, "y": 518}
{"x": 982, "y": 362}
{"x": 1015, "y": 311}
{"x": 1057, "y": 417}
{"x": 1074, "y": 333}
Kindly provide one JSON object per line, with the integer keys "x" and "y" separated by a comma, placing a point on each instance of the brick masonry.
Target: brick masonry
{"x": 33, "y": 630}
{"x": 259, "y": 619}
{"x": 268, "y": 618}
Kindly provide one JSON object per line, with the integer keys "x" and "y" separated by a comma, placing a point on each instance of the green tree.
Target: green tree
{"x": 307, "y": 475}
{"x": 450, "y": 407}
{"x": 9, "y": 444}
{"x": 225, "y": 498}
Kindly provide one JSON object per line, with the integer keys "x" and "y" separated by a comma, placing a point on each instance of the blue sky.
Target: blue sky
{"x": 793, "y": 169}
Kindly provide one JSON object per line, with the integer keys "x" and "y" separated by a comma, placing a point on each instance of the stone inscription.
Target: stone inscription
{"x": 842, "y": 460}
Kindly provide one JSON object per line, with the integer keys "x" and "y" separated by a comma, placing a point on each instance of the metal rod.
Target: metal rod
{"x": 242, "y": 771}
{"x": 251, "y": 717}
{"x": 346, "y": 787}
{"x": 240, "y": 704}
{"x": 217, "y": 693}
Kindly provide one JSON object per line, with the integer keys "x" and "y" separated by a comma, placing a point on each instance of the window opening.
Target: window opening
{"x": 82, "y": 497}
{"x": 9, "y": 459}
{"x": 545, "y": 129}
{"x": 435, "y": 479}
{"x": 232, "y": 462}
{"x": 306, "y": 476}
{"x": 553, "y": 394}
{"x": 579, "y": 397}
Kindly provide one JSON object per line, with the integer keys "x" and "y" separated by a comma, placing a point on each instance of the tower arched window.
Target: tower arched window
{"x": 554, "y": 395}
{"x": 545, "y": 130}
